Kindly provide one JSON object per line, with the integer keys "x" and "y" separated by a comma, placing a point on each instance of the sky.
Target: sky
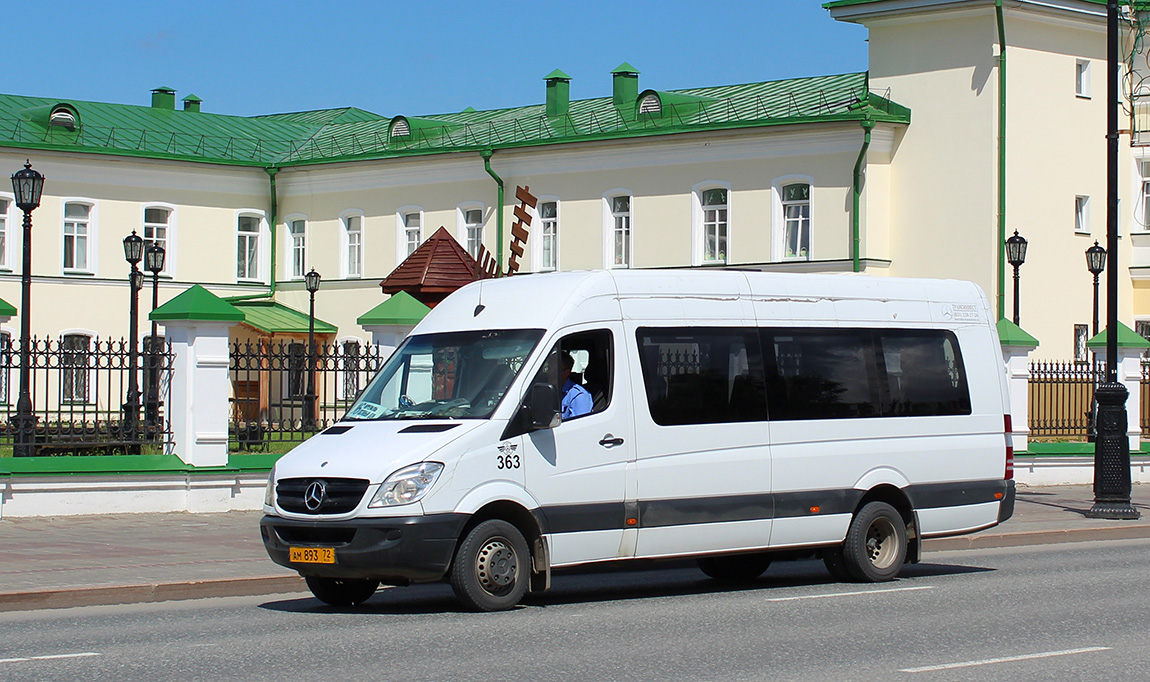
{"x": 249, "y": 57}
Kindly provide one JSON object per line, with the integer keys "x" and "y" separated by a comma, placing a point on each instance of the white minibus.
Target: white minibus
{"x": 540, "y": 422}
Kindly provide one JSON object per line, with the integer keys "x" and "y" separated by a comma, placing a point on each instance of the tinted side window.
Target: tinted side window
{"x": 821, "y": 374}
{"x": 702, "y": 376}
{"x": 924, "y": 374}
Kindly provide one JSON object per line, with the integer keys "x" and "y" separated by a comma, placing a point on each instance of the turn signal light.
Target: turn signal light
{"x": 816, "y": 509}
{"x": 632, "y": 522}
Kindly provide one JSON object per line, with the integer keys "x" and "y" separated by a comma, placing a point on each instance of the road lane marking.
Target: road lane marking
{"x": 1005, "y": 659}
{"x": 48, "y": 658}
{"x": 853, "y": 594}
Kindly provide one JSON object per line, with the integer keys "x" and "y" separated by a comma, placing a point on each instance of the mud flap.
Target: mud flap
{"x": 913, "y": 542}
{"x": 540, "y": 566}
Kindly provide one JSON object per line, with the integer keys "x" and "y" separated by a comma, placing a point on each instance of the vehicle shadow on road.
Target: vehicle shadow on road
{"x": 615, "y": 585}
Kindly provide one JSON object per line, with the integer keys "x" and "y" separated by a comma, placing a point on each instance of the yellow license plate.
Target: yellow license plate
{"x": 311, "y": 555}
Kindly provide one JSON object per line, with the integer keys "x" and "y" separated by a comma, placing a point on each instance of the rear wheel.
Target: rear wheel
{"x": 737, "y": 568}
{"x": 875, "y": 546}
{"x": 341, "y": 591}
{"x": 492, "y": 567}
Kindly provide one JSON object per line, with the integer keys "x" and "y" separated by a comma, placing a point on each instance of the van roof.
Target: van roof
{"x": 539, "y": 301}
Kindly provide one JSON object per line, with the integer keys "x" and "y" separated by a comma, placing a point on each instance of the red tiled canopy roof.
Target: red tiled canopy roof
{"x": 439, "y": 266}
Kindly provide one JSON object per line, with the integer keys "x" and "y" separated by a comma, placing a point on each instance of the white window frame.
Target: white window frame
{"x": 348, "y": 269}
{"x": 11, "y": 230}
{"x": 290, "y": 245}
{"x": 462, "y": 227}
{"x": 169, "y": 244}
{"x": 699, "y": 223}
{"x": 401, "y": 213}
{"x": 262, "y": 240}
{"x": 90, "y": 398}
{"x": 91, "y": 237}
{"x": 1082, "y": 78}
{"x": 537, "y": 244}
{"x": 1144, "y": 195}
{"x": 609, "y": 230}
{"x": 779, "y": 223}
{"x": 1082, "y": 214}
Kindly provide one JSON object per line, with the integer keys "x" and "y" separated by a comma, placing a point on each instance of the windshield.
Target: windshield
{"x": 454, "y": 375}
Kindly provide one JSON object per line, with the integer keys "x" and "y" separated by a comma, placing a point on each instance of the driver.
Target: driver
{"x": 576, "y": 400}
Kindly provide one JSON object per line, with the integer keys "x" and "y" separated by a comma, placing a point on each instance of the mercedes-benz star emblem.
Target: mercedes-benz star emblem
{"x": 313, "y": 496}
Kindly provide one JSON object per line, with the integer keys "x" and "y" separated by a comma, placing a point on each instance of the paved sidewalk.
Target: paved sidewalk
{"x": 125, "y": 558}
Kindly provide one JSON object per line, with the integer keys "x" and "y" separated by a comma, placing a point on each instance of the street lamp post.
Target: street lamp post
{"x": 1016, "y": 256}
{"x": 1095, "y": 263}
{"x": 27, "y": 185}
{"x": 311, "y": 282}
{"x": 1112, "y": 485}
{"x": 153, "y": 263}
{"x": 133, "y": 253}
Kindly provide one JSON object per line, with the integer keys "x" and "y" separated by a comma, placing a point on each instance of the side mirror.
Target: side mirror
{"x": 543, "y": 406}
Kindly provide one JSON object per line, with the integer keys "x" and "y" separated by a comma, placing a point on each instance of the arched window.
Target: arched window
{"x": 351, "y": 258}
{"x": 78, "y": 237}
{"x": 248, "y": 247}
{"x": 158, "y": 231}
{"x": 75, "y": 361}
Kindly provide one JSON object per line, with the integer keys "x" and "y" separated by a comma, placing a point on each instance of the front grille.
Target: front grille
{"x": 334, "y": 495}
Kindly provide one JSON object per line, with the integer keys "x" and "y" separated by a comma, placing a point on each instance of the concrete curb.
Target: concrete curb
{"x": 245, "y": 587}
{"x": 139, "y": 594}
{"x": 1038, "y": 537}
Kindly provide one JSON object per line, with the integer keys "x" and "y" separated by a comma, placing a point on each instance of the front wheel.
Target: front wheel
{"x": 492, "y": 567}
{"x": 875, "y": 546}
{"x": 341, "y": 591}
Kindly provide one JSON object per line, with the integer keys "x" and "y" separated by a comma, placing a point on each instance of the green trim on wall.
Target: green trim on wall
{"x": 121, "y": 465}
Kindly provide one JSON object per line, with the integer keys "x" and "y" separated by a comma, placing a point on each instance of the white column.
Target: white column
{"x": 1017, "y": 359}
{"x": 388, "y": 336}
{"x": 1130, "y": 374}
{"x": 198, "y": 406}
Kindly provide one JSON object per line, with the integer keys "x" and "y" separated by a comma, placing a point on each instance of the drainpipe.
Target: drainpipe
{"x": 271, "y": 292}
{"x": 486, "y": 154}
{"x": 867, "y": 126}
{"x": 1001, "y": 160}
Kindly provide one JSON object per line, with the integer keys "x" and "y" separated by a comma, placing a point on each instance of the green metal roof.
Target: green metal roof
{"x": 7, "y": 309}
{"x": 350, "y": 134}
{"x": 555, "y": 75}
{"x": 1127, "y": 338}
{"x": 197, "y": 303}
{"x": 1138, "y": 4}
{"x": 400, "y": 309}
{"x": 1010, "y": 334}
{"x": 277, "y": 318}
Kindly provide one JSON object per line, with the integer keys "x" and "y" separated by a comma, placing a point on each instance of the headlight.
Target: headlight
{"x": 407, "y": 485}
{"x": 270, "y": 490}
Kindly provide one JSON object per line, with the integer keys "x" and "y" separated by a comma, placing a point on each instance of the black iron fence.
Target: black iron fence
{"x": 81, "y": 399}
{"x": 277, "y": 400}
{"x": 1062, "y": 398}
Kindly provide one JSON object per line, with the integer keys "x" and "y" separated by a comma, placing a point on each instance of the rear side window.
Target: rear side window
{"x": 702, "y": 375}
{"x": 845, "y": 373}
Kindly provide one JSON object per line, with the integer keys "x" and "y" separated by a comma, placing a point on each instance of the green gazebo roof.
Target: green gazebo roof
{"x": 401, "y": 309}
{"x": 197, "y": 303}
{"x": 1010, "y": 334}
{"x": 7, "y": 309}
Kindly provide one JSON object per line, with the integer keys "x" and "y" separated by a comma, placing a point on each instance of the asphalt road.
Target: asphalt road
{"x": 1053, "y": 612}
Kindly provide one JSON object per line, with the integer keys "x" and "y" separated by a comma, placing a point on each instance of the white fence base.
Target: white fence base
{"x": 26, "y": 496}
{"x": 1038, "y": 470}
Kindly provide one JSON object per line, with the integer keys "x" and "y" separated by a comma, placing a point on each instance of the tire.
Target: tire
{"x": 836, "y": 566}
{"x": 341, "y": 591}
{"x": 492, "y": 567}
{"x": 737, "y": 568}
{"x": 875, "y": 547}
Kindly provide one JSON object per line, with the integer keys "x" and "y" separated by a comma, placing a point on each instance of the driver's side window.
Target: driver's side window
{"x": 586, "y": 368}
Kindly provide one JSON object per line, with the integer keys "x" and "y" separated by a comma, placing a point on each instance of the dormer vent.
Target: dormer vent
{"x": 650, "y": 104}
{"x": 62, "y": 117}
{"x": 399, "y": 128}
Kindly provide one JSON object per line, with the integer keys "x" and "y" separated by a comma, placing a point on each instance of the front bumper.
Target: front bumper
{"x": 392, "y": 550}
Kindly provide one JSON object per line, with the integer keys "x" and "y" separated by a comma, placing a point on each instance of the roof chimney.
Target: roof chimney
{"x": 192, "y": 103}
{"x": 164, "y": 98}
{"x": 626, "y": 86}
{"x": 558, "y": 93}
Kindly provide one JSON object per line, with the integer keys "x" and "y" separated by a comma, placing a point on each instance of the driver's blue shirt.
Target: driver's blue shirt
{"x": 576, "y": 400}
